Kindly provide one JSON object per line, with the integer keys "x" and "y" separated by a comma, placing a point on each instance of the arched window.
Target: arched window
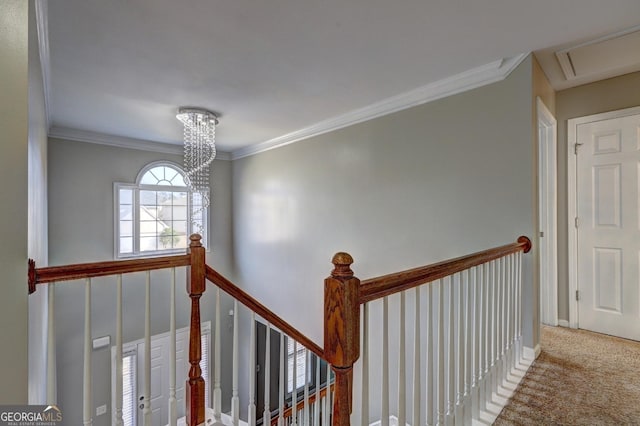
{"x": 157, "y": 214}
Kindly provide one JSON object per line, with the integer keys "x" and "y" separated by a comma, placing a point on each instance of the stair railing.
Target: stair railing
{"x": 468, "y": 308}
{"x": 314, "y": 407}
{"x": 473, "y": 330}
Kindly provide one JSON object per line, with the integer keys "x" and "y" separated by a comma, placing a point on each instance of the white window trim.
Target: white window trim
{"x": 137, "y": 187}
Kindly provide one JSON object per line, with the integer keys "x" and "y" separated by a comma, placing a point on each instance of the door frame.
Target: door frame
{"x": 572, "y": 199}
{"x": 548, "y": 213}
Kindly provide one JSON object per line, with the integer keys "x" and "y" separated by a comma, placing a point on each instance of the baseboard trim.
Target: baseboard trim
{"x": 563, "y": 323}
{"x": 531, "y": 353}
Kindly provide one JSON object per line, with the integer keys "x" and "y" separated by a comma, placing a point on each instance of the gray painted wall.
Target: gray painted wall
{"x": 606, "y": 95}
{"x": 37, "y": 227}
{"x": 429, "y": 183}
{"x": 425, "y": 184}
{"x": 14, "y": 129}
{"x": 81, "y": 178}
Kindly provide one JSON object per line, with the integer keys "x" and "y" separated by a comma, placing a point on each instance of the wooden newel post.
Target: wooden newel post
{"x": 195, "y": 287}
{"x": 342, "y": 332}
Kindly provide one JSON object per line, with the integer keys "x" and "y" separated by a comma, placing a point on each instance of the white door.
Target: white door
{"x": 159, "y": 381}
{"x": 133, "y": 377}
{"x": 160, "y": 367}
{"x": 608, "y": 229}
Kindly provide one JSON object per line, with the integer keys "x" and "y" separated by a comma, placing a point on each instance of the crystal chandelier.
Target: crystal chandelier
{"x": 199, "y": 149}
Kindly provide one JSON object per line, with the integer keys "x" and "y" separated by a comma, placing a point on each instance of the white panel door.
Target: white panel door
{"x": 159, "y": 381}
{"x": 608, "y": 202}
{"x": 160, "y": 368}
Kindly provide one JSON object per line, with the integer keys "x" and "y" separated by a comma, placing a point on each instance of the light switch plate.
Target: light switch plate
{"x": 101, "y": 410}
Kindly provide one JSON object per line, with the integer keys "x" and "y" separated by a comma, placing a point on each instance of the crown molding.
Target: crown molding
{"x": 122, "y": 141}
{"x": 467, "y": 80}
{"x": 42, "y": 24}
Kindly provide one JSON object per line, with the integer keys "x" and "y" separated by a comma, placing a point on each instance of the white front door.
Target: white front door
{"x": 134, "y": 376}
{"x": 159, "y": 381}
{"x": 608, "y": 228}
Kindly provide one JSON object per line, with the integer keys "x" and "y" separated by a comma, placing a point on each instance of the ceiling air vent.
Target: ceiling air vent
{"x": 612, "y": 55}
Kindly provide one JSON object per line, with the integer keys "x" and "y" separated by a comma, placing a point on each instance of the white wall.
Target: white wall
{"x": 81, "y": 177}
{"x": 13, "y": 220}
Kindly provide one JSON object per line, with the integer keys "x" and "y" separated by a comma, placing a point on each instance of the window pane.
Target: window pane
{"x": 148, "y": 198}
{"x": 149, "y": 178}
{"x": 167, "y": 238}
{"x": 165, "y": 213}
{"x": 180, "y": 227}
{"x": 179, "y": 213}
{"x": 180, "y": 198}
{"x": 148, "y": 243}
{"x": 129, "y": 404}
{"x": 300, "y": 358}
{"x": 126, "y": 196}
{"x": 126, "y": 228}
{"x": 181, "y": 241}
{"x": 126, "y": 245}
{"x": 178, "y": 180}
{"x": 126, "y": 212}
{"x": 170, "y": 174}
{"x": 164, "y": 198}
{"x": 148, "y": 228}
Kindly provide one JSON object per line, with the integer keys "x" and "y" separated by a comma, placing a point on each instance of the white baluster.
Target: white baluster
{"x": 384, "y": 404}
{"x": 440, "y": 392}
{"x": 499, "y": 324}
{"x": 402, "y": 374}
{"x": 235, "y": 399}
{"x": 217, "y": 392}
{"x": 294, "y": 386}
{"x": 483, "y": 338}
{"x": 251, "y": 411}
{"x": 461, "y": 351}
{"x": 52, "y": 398}
{"x": 430, "y": 388}
{"x": 305, "y": 409}
{"x": 519, "y": 304}
{"x": 118, "y": 409}
{"x": 316, "y": 410}
{"x": 365, "y": 365}
{"x": 514, "y": 346}
{"x": 471, "y": 348}
{"x": 146, "y": 412}
{"x": 173, "y": 402}
{"x": 505, "y": 319}
{"x": 415, "y": 419}
{"x": 87, "y": 401}
{"x": 492, "y": 330}
{"x": 281, "y": 383}
{"x": 266, "y": 413}
{"x": 327, "y": 408}
{"x": 450, "y": 355}
{"x": 509, "y": 289}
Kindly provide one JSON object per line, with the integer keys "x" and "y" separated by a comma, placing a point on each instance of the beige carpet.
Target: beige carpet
{"x": 580, "y": 378}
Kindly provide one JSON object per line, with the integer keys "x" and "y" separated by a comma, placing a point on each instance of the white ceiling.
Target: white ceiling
{"x": 273, "y": 67}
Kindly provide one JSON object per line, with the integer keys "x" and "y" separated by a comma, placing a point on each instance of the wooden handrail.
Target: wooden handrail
{"x": 51, "y": 274}
{"x": 257, "y": 307}
{"x": 300, "y": 404}
{"x": 375, "y": 288}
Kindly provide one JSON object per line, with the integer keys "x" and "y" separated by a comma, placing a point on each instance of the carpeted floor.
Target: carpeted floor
{"x": 580, "y": 378}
